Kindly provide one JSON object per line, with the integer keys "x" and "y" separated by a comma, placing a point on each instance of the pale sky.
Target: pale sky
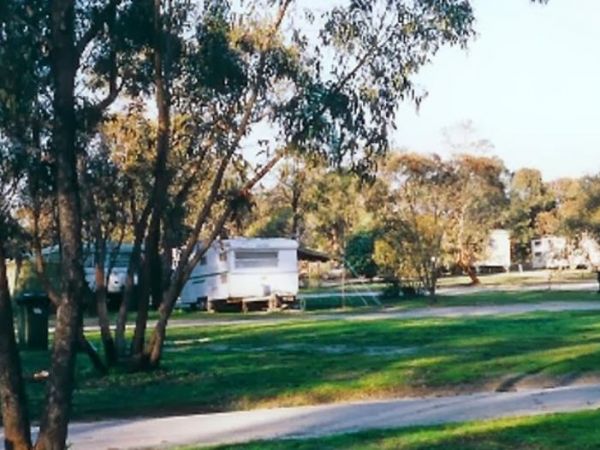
{"x": 530, "y": 84}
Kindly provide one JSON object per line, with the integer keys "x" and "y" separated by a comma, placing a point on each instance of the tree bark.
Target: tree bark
{"x": 470, "y": 271}
{"x": 151, "y": 270}
{"x": 130, "y": 288}
{"x": 86, "y": 347}
{"x": 13, "y": 401}
{"x": 108, "y": 343}
{"x": 59, "y": 390}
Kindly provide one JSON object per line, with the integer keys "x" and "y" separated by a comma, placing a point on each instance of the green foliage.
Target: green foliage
{"x": 412, "y": 219}
{"x": 582, "y": 211}
{"x": 477, "y": 203}
{"x": 436, "y": 213}
{"x": 335, "y": 209}
{"x": 529, "y": 199}
{"x": 359, "y": 254}
{"x": 27, "y": 282}
{"x": 275, "y": 224}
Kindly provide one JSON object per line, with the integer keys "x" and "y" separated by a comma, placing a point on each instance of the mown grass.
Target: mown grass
{"x": 482, "y": 298}
{"x": 357, "y": 304}
{"x": 580, "y": 431}
{"x": 349, "y": 287}
{"x": 243, "y": 366}
{"x": 528, "y": 278}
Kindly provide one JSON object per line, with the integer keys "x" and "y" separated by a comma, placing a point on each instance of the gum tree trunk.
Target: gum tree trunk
{"x": 108, "y": 343}
{"x": 151, "y": 269}
{"x": 13, "y": 402}
{"x": 59, "y": 390}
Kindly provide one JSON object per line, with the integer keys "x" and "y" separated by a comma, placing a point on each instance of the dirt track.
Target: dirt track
{"x": 210, "y": 429}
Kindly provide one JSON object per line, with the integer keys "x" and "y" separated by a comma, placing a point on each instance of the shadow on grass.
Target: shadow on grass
{"x": 219, "y": 368}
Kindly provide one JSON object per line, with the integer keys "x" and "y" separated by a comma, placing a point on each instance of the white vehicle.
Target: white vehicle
{"x": 497, "y": 252}
{"x": 550, "y": 252}
{"x": 118, "y": 263}
{"x": 243, "y": 271}
{"x": 590, "y": 251}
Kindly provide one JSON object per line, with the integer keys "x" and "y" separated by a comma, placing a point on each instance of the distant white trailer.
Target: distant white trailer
{"x": 589, "y": 249}
{"x": 497, "y": 252}
{"x": 117, "y": 259}
{"x": 244, "y": 271}
{"x": 550, "y": 252}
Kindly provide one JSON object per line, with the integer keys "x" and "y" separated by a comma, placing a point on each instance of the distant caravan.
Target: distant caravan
{"x": 496, "y": 256}
{"x": 244, "y": 273}
{"x": 24, "y": 281}
{"x": 558, "y": 252}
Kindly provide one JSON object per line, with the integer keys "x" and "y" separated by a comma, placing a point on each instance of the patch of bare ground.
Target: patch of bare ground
{"x": 535, "y": 380}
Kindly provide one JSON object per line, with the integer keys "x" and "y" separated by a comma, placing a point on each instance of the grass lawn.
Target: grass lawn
{"x": 527, "y": 278}
{"x": 361, "y": 304}
{"x": 243, "y": 366}
{"x": 357, "y": 304}
{"x": 514, "y": 279}
{"x": 349, "y": 287}
{"x": 580, "y": 431}
{"x": 475, "y": 299}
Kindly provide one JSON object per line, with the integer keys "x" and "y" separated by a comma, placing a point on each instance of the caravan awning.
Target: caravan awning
{"x": 306, "y": 254}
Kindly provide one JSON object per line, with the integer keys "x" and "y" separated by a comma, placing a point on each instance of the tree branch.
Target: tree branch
{"x": 101, "y": 18}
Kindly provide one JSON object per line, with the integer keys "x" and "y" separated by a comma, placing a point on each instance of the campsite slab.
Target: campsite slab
{"x": 310, "y": 421}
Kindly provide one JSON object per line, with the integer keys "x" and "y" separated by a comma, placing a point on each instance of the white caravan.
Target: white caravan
{"x": 244, "y": 271}
{"x": 497, "y": 252}
{"x": 117, "y": 259}
{"x": 589, "y": 253}
{"x": 550, "y": 252}
{"x": 557, "y": 252}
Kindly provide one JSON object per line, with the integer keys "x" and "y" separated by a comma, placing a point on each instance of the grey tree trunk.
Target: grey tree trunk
{"x": 108, "y": 343}
{"x": 13, "y": 401}
{"x": 63, "y": 56}
{"x": 151, "y": 282}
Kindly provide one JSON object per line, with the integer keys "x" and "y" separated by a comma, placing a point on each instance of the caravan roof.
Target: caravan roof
{"x": 260, "y": 243}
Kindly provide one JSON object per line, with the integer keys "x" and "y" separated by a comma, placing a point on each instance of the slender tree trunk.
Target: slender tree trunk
{"x": 433, "y": 284}
{"x": 87, "y": 347}
{"x": 13, "y": 401}
{"x": 154, "y": 349}
{"x": 189, "y": 259}
{"x": 63, "y": 55}
{"x": 465, "y": 265}
{"x": 152, "y": 272}
{"x": 129, "y": 291}
{"x": 108, "y": 343}
{"x": 143, "y": 304}
{"x": 296, "y": 217}
{"x": 55, "y": 298}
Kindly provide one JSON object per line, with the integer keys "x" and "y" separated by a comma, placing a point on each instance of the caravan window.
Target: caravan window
{"x": 246, "y": 259}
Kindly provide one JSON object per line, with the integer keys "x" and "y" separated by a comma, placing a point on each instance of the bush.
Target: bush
{"x": 359, "y": 254}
